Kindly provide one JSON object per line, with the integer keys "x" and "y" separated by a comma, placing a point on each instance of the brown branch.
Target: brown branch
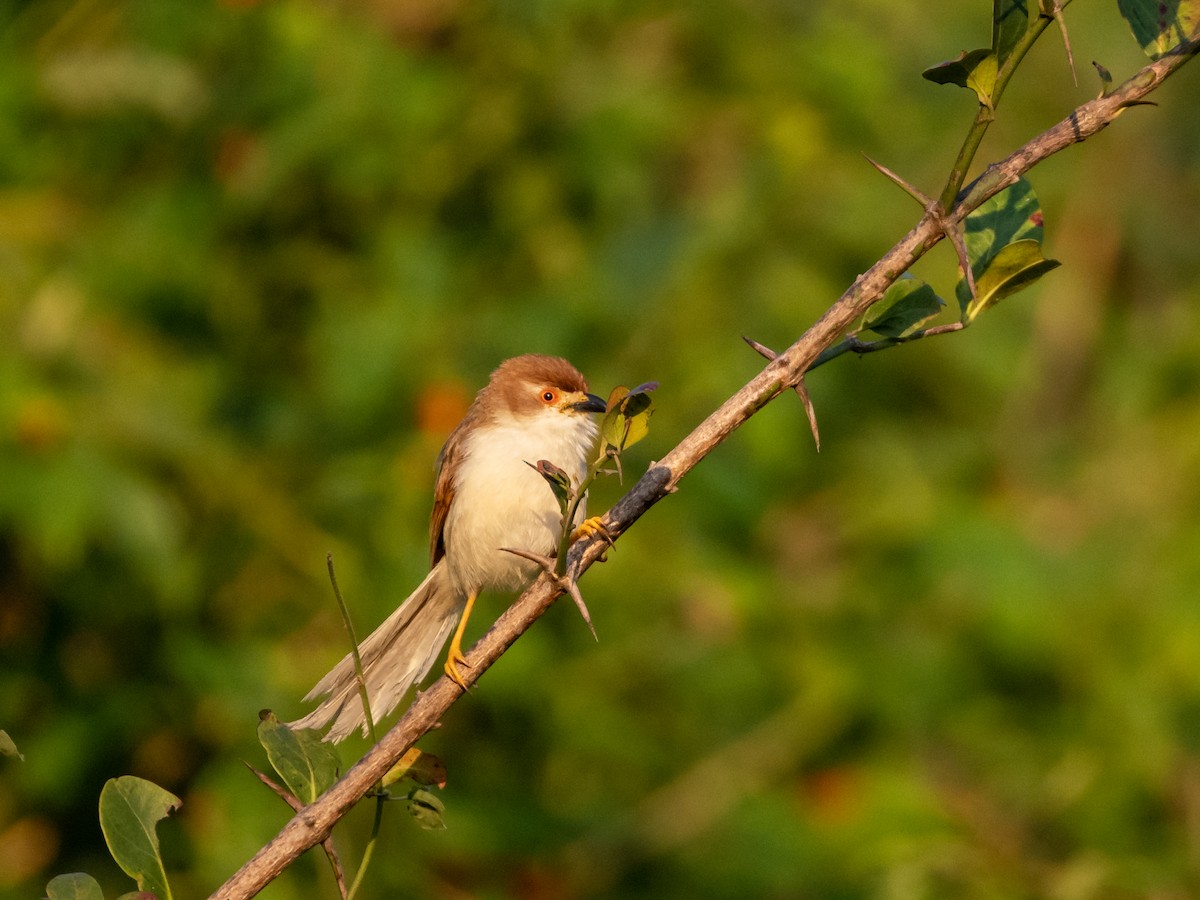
{"x": 314, "y": 823}
{"x": 339, "y": 874}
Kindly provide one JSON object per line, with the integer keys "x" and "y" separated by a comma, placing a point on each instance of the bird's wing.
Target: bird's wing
{"x": 443, "y": 493}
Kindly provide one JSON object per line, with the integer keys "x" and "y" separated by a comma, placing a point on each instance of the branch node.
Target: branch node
{"x": 799, "y": 387}
{"x": 566, "y": 583}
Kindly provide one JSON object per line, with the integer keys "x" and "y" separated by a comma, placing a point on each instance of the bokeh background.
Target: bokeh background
{"x": 255, "y": 258}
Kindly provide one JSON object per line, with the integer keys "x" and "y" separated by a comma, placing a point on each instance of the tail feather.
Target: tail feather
{"x": 395, "y": 656}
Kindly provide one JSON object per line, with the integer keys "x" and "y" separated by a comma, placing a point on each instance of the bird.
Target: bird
{"x": 487, "y": 498}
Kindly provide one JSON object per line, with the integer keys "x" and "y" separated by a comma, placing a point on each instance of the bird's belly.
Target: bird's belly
{"x": 503, "y": 503}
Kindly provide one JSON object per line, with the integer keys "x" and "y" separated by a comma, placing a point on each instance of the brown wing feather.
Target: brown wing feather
{"x": 443, "y": 488}
{"x": 443, "y": 495}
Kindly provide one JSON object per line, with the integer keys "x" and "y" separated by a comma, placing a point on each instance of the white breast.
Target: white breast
{"x": 499, "y": 501}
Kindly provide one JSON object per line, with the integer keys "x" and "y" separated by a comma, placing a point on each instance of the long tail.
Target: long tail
{"x": 396, "y": 655}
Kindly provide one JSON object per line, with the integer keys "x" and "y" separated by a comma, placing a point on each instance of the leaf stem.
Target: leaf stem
{"x": 358, "y": 666}
{"x": 853, "y": 344}
{"x": 380, "y": 799}
{"x": 987, "y": 114}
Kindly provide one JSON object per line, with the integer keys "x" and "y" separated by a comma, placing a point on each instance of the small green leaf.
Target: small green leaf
{"x": 75, "y": 886}
{"x": 628, "y": 418}
{"x": 426, "y": 809}
{"x": 130, "y": 809}
{"x": 1106, "y": 79}
{"x": 1003, "y": 238}
{"x": 307, "y": 764}
{"x": 974, "y": 69}
{"x": 612, "y": 428}
{"x": 559, "y": 481}
{"x": 904, "y": 308}
{"x": 1016, "y": 266}
{"x": 8, "y": 747}
{"x": 1014, "y": 214}
{"x": 1161, "y": 25}
{"x": 1010, "y": 21}
{"x": 423, "y": 768}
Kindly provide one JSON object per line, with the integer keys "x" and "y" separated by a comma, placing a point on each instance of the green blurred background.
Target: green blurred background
{"x": 255, "y": 258}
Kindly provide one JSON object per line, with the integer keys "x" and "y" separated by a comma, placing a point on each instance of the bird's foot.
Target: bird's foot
{"x": 590, "y": 528}
{"x": 455, "y": 657}
{"x": 594, "y": 527}
{"x": 453, "y": 661}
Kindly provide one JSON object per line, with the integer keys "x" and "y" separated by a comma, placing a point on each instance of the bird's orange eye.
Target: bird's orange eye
{"x": 549, "y": 396}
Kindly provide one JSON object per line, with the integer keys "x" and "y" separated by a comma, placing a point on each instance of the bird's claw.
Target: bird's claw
{"x": 453, "y": 661}
{"x": 590, "y": 528}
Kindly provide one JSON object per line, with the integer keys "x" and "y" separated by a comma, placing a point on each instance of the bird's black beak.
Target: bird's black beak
{"x": 591, "y": 404}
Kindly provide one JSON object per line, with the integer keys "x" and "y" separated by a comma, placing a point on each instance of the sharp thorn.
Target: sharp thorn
{"x": 760, "y": 349}
{"x": 573, "y": 590}
{"x": 809, "y": 410}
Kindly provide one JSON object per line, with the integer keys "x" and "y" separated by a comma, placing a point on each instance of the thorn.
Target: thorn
{"x": 964, "y": 262}
{"x": 900, "y": 182}
{"x": 565, "y": 583}
{"x": 810, "y": 411}
{"x": 1054, "y": 9}
{"x": 572, "y": 588}
{"x": 934, "y": 210}
{"x": 283, "y": 793}
{"x": 547, "y": 563}
{"x": 758, "y": 348}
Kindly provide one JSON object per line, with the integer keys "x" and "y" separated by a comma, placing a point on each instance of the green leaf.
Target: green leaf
{"x": 628, "y": 418}
{"x": 1160, "y": 25}
{"x": 559, "y": 481}
{"x": 1010, "y": 21}
{"x": 1014, "y": 214}
{"x": 426, "y": 809}
{"x": 130, "y": 809}
{"x": 423, "y": 768}
{"x": 1016, "y": 266}
{"x": 307, "y": 764}
{"x": 904, "y": 308}
{"x": 974, "y": 69}
{"x": 1003, "y": 238}
{"x": 8, "y": 747}
{"x": 75, "y": 886}
{"x": 612, "y": 429}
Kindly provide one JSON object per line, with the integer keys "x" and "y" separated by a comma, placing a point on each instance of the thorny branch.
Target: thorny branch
{"x": 313, "y": 824}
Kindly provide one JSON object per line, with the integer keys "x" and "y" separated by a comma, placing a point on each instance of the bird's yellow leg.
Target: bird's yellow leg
{"x": 455, "y": 656}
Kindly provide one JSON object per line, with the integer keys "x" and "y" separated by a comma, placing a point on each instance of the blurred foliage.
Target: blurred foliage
{"x": 256, "y": 256}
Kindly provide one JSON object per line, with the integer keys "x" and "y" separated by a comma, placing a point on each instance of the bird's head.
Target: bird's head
{"x": 534, "y": 386}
